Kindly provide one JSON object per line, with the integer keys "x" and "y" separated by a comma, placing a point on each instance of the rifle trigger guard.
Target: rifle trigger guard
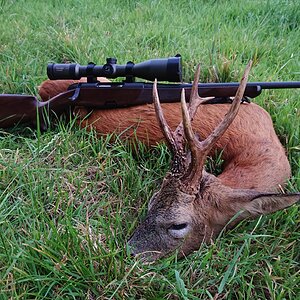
{"x": 76, "y": 93}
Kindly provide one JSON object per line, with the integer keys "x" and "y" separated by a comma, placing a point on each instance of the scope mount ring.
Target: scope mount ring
{"x": 91, "y": 78}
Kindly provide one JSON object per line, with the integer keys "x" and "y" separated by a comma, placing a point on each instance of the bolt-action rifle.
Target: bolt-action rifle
{"x": 97, "y": 95}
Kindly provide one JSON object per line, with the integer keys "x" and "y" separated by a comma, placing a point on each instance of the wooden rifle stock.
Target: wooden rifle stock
{"x": 17, "y": 109}
{"x": 28, "y": 109}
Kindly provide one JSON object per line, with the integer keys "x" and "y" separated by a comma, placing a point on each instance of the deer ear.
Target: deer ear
{"x": 261, "y": 204}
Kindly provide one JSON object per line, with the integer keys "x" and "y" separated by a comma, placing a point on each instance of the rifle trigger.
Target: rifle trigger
{"x": 76, "y": 93}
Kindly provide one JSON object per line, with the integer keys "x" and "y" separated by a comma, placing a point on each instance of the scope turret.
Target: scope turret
{"x": 162, "y": 69}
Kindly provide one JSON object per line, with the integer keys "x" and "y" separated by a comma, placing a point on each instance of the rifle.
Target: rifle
{"x": 96, "y": 95}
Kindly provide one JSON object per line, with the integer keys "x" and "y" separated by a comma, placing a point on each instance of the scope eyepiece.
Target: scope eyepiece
{"x": 63, "y": 71}
{"x": 162, "y": 69}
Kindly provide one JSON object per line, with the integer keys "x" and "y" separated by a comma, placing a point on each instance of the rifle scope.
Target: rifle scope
{"x": 163, "y": 69}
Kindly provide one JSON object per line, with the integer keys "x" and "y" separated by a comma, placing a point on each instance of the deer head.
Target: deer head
{"x": 192, "y": 206}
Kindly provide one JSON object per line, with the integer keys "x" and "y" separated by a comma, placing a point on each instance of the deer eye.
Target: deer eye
{"x": 179, "y": 231}
{"x": 178, "y": 226}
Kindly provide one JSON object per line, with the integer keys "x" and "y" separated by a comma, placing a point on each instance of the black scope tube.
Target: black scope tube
{"x": 162, "y": 69}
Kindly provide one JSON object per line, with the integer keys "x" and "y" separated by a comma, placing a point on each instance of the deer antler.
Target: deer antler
{"x": 191, "y": 174}
{"x": 200, "y": 149}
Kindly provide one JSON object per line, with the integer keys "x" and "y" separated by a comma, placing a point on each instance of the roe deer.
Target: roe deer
{"x": 192, "y": 205}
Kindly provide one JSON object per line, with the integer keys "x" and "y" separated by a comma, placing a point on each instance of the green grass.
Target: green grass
{"x": 69, "y": 200}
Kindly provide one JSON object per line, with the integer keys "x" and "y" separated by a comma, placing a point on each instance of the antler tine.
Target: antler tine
{"x": 168, "y": 134}
{"x": 194, "y": 92}
{"x": 197, "y": 158}
{"x": 210, "y": 141}
{"x": 186, "y": 119}
{"x": 195, "y": 99}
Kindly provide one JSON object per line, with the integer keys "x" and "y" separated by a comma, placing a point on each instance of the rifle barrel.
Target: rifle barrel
{"x": 277, "y": 85}
{"x": 263, "y": 85}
